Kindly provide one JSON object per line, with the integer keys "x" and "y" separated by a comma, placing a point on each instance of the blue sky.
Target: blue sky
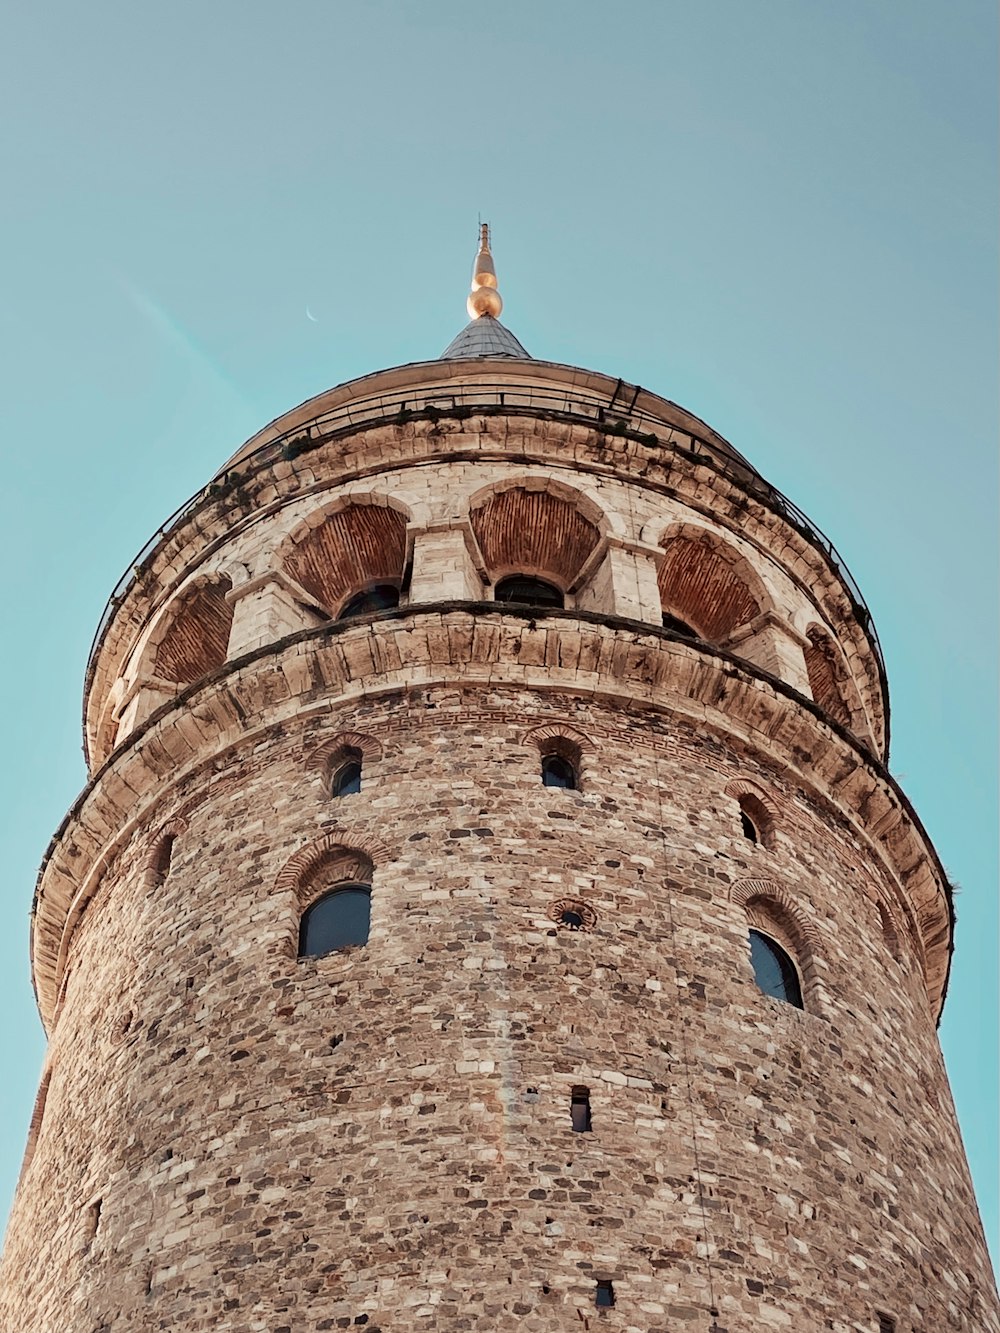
{"x": 779, "y": 213}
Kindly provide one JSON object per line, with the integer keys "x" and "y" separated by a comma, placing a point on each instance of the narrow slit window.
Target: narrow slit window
{"x": 604, "y": 1297}
{"x": 886, "y": 1323}
{"x": 161, "y": 861}
{"x": 579, "y": 1111}
{"x": 346, "y": 780}
{"x": 94, "y": 1217}
{"x": 558, "y": 772}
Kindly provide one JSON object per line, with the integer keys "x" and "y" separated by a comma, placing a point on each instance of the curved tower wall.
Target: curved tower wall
{"x": 231, "y": 1136}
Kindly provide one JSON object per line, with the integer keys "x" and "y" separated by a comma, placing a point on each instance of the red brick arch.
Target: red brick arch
{"x": 536, "y": 526}
{"x": 335, "y": 858}
{"x": 707, "y": 583}
{"x": 193, "y": 636}
{"x": 354, "y": 543}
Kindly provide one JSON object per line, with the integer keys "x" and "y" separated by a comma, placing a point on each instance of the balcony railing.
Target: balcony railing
{"x": 617, "y": 415}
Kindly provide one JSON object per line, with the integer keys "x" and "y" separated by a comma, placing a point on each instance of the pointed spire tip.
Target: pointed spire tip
{"x": 484, "y": 299}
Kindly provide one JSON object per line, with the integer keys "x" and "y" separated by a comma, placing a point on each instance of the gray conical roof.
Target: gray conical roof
{"x": 484, "y": 336}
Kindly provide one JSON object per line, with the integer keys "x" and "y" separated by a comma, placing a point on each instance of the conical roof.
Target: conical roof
{"x": 484, "y": 336}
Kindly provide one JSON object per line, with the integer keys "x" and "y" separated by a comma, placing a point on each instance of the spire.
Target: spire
{"x": 485, "y": 336}
{"x": 484, "y": 299}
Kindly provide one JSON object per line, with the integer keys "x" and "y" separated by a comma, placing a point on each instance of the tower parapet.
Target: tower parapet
{"x": 489, "y": 903}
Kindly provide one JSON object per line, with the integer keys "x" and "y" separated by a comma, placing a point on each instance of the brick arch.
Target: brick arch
{"x": 558, "y": 731}
{"x": 765, "y": 899}
{"x": 829, "y": 678}
{"x": 335, "y": 858}
{"x": 757, "y": 802}
{"x": 707, "y": 583}
{"x": 161, "y": 849}
{"x": 354, "y": 543}
{"x": 323, "y": 757}
{"x": 536, "y": 526}
{"x": 192, "y": 637}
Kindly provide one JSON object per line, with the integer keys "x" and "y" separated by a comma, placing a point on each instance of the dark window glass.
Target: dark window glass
{"x": 568, "y": 917}
{"x": 579, "y": 1110}
{"x": 338, "y": 920}
{"x": 347, "y": 779}
{"x": 773, "y": 970}
{"x": 380, "y": 598}
{"x": 604, "y": 1297}
{"x": 679, "y": 626}
{"x": 531, "y": 591}
{"x": 749, "y": 828}
{"x": 557, "y": 772}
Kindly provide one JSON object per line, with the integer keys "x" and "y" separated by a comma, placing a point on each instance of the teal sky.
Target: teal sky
{"x": 779, "y": 213}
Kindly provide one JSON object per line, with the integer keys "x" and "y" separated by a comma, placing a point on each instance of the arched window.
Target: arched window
{"x": 382, "y": 597}
{"x": 756, "y": 820}
{"x": 773, "y": 970}
{"x": 528, "y": 590}
{"x": 338, "y": 920}
{"x": 679, "y": 626}
{"x": 346, "y": 779}
{"x": 558, "y": 772}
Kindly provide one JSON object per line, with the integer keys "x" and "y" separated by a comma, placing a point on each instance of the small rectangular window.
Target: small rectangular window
{"x": 579, "y": 1110}
{"x": 604, "y": 1297}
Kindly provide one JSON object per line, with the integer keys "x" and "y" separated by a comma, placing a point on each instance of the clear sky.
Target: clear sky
{"x": 779, "y": 213}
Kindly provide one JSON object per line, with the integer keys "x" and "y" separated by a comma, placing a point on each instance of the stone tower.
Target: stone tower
{"x": 489, "y": 907}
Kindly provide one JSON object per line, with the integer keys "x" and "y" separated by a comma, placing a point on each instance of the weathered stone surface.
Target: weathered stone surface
{"x": 231, "y": 1137}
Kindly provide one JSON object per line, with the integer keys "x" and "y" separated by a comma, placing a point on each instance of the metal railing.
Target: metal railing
{"x": 617, "y": 415}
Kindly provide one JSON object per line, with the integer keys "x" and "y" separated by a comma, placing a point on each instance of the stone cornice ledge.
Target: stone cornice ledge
{"x": 462, "y": 642}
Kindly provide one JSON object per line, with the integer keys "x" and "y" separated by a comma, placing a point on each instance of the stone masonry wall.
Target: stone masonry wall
{"x": 237, "y": 1139}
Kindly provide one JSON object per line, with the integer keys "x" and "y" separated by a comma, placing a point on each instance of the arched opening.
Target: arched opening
{"x": 527, "y": 590}
{"x": 340, "y": 919}
{"x": 381, "y": 597}
{"x": 678, "y": 626}
{"x": 579, "y": 1110}
{"x": 558, "y": 772}
{"x": 196, "y": 638}
{"x": 346, "y": 774}
{"x": 773, "y": 969}
{"x": 352, "y": 561}
{"x": 824, "y": 674}
{"x": 755, "y": 820}
{"x": 706, "y": 589}
{"x": 535, "y": 534}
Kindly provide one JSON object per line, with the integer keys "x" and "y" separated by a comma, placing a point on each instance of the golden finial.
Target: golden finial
{"x": 484, "y": 299}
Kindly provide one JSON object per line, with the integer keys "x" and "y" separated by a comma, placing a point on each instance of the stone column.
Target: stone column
{"x": 446, "y": 563}
{"x": 267, "y": 608}
{"x": 775, "y": 646}
{"x": 619, "y": 579}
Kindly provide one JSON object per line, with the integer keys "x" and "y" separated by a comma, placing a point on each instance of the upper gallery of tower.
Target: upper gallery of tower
{"x": 442, "y": 480}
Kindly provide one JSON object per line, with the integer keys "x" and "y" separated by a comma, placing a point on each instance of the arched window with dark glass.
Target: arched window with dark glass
{"x": 679, "y": 626}
{"x": 773, "y": 970}
{"x": 527, "y": 590}
{"x": 381, "y": 597}
{"x": 557, "y": 771}
{"x": 338, "y": 920}
{"x": 756, "y": 821}
{"x": 346, "y": 779}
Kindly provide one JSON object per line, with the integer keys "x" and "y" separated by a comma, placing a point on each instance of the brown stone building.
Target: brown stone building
{"x": 489, "y": 907}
